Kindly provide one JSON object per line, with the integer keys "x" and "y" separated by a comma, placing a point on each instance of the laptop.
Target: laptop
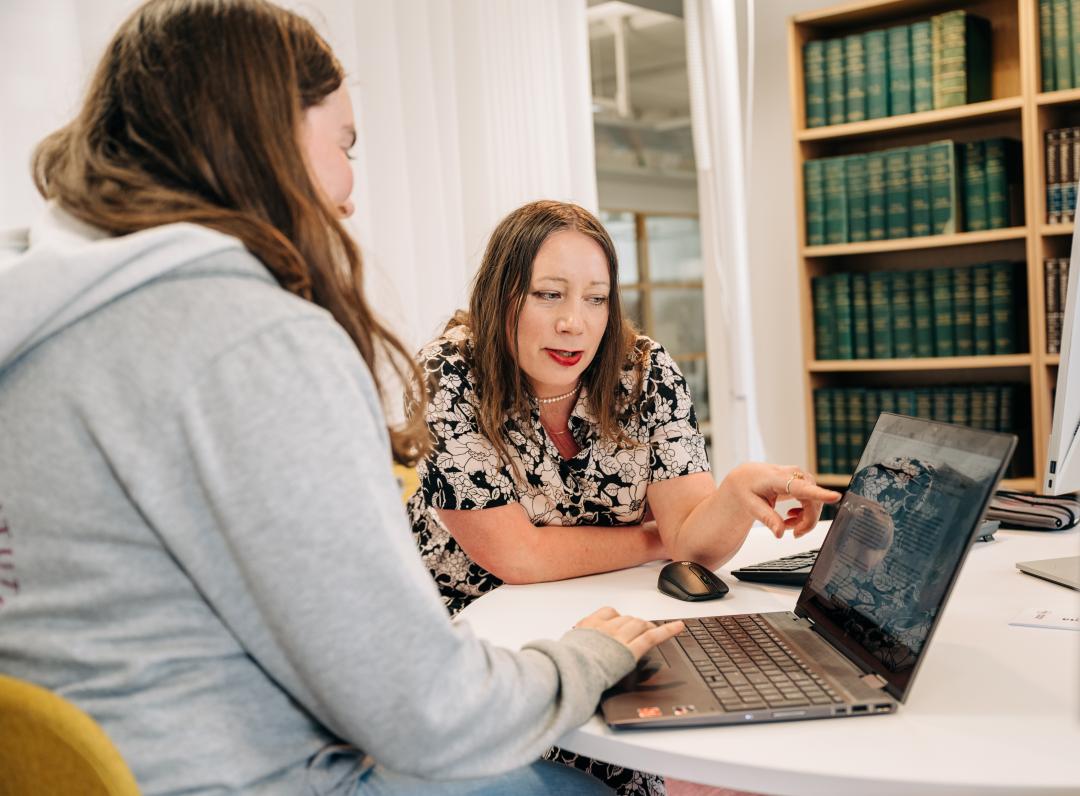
{"x": 865, "y": 617}
{"x": 1065, "y": 571}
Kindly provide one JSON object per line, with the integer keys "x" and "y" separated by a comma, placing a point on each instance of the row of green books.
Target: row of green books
{"x": 943, "y": 312}
{"x": 1056, "y": 282}
{"x": 845, "y": 416}
{"x": 1059, "y": 43}
{"x": 936, "y": 63}
{"x": 930, "y": 189}
{"x": 1062, "y": 153}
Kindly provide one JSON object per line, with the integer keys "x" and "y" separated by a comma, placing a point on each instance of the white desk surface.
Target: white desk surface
{"x": 994, "y": 709}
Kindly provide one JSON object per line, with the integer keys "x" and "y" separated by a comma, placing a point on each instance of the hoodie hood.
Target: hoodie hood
{"x": 60, "y": 270}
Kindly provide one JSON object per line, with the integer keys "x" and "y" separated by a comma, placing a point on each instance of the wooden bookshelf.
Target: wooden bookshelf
{"x": 1018, "y": 109}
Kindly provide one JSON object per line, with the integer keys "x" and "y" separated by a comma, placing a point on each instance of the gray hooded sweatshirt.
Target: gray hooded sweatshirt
{"x": 202, "y": 543}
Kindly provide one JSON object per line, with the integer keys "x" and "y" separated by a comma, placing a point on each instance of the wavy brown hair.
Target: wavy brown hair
{"x": 193, "y": 115}
{"x": 498, "y": 294}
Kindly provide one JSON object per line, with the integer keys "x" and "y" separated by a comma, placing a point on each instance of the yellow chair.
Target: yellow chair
{"x": 408, "y": 479}
{"x": 47, "y": 745}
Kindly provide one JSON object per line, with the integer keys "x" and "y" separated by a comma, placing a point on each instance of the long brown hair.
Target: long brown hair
{"x": 498, "y": 294}
{"x": 194, "y": 115}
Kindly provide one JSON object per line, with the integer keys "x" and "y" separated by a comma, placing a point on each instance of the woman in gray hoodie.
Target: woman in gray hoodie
{"x": 201, "y": 541}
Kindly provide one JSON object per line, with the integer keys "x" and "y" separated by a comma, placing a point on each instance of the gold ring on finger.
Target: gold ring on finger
{"x": 794, "y": 475}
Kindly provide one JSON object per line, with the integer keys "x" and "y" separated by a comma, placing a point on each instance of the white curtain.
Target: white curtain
{"x": 717, "y": 113}
{"x": 465, "y": 110}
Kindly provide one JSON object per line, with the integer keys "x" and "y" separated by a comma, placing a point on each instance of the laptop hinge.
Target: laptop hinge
{"x": 873, "y": 680}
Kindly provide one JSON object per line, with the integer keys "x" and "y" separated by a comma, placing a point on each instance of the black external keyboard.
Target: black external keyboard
{"x": 789, "y": 570}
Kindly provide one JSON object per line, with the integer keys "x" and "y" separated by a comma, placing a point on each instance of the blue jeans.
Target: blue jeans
{"x": 542, "y": 778}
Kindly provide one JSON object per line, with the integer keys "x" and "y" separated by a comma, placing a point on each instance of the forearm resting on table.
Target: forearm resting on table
{"x": 517, "y": 552}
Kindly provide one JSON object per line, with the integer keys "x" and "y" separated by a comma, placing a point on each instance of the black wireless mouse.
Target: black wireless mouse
{"x": 686, "y": 580}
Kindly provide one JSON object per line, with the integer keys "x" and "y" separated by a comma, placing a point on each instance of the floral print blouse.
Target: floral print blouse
{"x": 604, "y": 484}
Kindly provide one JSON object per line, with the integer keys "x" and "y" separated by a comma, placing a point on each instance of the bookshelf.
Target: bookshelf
{"x": 1017, "y": 108}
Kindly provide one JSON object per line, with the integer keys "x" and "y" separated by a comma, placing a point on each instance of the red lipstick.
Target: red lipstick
{"x": 561, "y": 357}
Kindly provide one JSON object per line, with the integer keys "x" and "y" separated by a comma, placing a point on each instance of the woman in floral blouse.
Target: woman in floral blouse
{"x": 566, "y": 444}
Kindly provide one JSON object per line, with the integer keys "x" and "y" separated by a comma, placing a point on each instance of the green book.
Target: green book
{"x": 856, "y": 417}
{"x": 1003, "y": 307}
{"x": 880, "y": 283}
{"x": 836, "y": 222}
{"x": 1046, "y": 44}
{"x": 1062, "y": 44}
{"x": 823, "y": 430}
{"x": 887, "y": 400}
{"x": 963, "y": 310}
{"x": 860, "y": 315}
{"x": 824, "y": 320}
{"x": 897, "y": 193}
{"x": 835, "y": 89}
{"x": 924, "y": 403}
{"x": 944, "y": 206}
{"x": 814, "y": 190}
{"x": 903, "y": 322}
{"x": 877, "y": 74}
{"x": 871, "y": 410}
{"x": 899, "y": 44}
{"x": 855, "y": 169}
{"x": 991, "y": 394}
{"x": 841, "y": 427}
{"x": 1074, "y": 32}
{"x": 922, "y": 67}
{"x": 960, "y": 405}
{"x": 814, "y": 83}
{"x": 907, "y": 403}
{"x": 974, "y": 182}
{"x": 919, "y": 175}
{"x": 977, "y": 407}
{"x": 980, "y": 287}
{"x": 843, "y": 331}
{"x": 941, "y": 408}
{"x": 922, "y": 314}
{"x": 962, "y": 61}
{"x": 854, "y": 78}
{"x": 1006, "y": 397}
{"x": 941, "y": 293}
{"x": 875, "y": 195}
{"x": 1054, "y": 203}
{"x": 1002, "y": 169}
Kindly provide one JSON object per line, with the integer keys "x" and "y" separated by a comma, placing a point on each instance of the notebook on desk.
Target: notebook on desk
{"x": 865, "y": 616}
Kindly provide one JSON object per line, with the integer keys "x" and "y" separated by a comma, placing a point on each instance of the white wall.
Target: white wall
{"x": 772, "y": 238}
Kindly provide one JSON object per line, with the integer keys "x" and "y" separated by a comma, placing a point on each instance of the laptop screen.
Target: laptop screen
{"x": 900, "y": 534}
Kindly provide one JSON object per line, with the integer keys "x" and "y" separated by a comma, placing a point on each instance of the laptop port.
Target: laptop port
{"x": 839, "y": 711}
{"x": 860, "y": 708}
{"x": 883, "y": 707}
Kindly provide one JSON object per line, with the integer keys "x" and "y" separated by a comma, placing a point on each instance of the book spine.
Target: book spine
{"x": 924, "y": 403}
{"x": 1053, "y": 177}
{"x": 855, "y": 169}
{"x": 1070, "y": 144}
{"x": 824, "y": 320}
{"x": 877, "y": 74}
{"x": 897, "y": 193}
{"x": 1074, "y": 31}
{"x": 881, "y": 314}
{"x": 1063, "y": 289}
{"x": 835, "y": 89}
{"x": 906, "y": 402}
{"x": 990, "y": 397}
{"x": 977, "y": 407}
{"x": 1006, "y": 418}
{"x": 860, "y": 316}
{"x": 1002, "y": 307}
{"x": 952, "y": 75}
{"x": 944, "y": 207}
{"x": 871, "y": 410}
{"x": 919, "y": 174}
{"x": 997, "y": 188}
{"x": 854, "y": 78}
{"x": 814, "y": 83}
{"x": 903, "y": 332}
{"x": 856, "y": 416}
{"x": 941, "y": 286}
{"x": 840, "y": 431}
{"x": 977, "y": 58}
{"x": 836, "y": 222}
{"x": 1046, "y": 44}
{"x": 823, "y": 425}
{"x": 841, "y": 296}
{"x": 1062, "y": 44}
{"x": 922, "y": 69}
{"x": 875, "y": 196}
{"x": 1053, "y": 305}
{"x": 936, "y": 64}
{"x": 980, "y": 310}
{"x": 963, "y": 312}
{"x": 941, "y": 409}
{"x": 960, "y": 405}
{"x": 974, "y": 171}
{"x": 922, "y": 313}
{"x": 899, "y": 43}
{"x": 814, "y": 176}
{"x": 887, "y": 401}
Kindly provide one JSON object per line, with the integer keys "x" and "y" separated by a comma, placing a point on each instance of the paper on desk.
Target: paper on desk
{"x": 1040, "y": 617}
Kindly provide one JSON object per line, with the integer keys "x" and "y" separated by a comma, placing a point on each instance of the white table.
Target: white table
{"x": 994, "y": 709}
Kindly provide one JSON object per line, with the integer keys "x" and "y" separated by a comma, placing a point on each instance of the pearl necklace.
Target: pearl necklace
{"x": 556, "y": 398}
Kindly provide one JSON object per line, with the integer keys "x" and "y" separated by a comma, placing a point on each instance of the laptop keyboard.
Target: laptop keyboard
{"x": 749, "y": 667}
{"x": 790, "y": 570}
